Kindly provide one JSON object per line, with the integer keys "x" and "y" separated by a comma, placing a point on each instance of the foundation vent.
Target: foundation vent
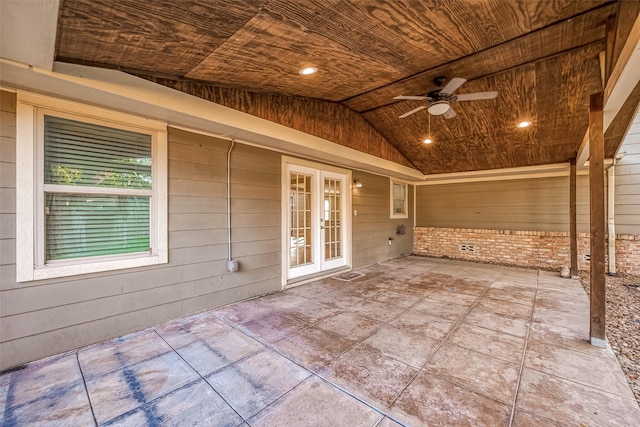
{"x": 466, "y": 247}
{"x": 587, "y": 258}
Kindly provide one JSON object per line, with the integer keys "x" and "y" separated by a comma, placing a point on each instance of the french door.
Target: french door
{"x": 316, "y": 226}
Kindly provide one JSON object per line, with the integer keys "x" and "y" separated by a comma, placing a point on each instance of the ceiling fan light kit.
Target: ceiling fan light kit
{"x": 438, "y": 108}
{"x": 439, "y": 100}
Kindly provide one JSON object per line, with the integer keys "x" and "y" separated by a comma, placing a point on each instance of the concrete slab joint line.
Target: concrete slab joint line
{"x": 413, "y": 341}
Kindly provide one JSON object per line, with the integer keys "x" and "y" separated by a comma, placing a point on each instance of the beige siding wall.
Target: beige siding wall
{"x": 46, "y": 317}
{"x": 372, "y": 227}
{"x": 627, "y": 184}
{"x": 42, "y": 318}
{"x": 540, "y": 204}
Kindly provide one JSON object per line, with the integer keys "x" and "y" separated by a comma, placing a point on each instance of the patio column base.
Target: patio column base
{"x": 597, "y": 342}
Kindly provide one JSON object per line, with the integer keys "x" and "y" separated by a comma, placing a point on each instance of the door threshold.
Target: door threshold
{"x": 315, "y": 276}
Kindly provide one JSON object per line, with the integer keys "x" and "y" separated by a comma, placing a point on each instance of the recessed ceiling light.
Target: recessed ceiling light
{"x": 524, "y": 124}
{"x": 308, "y": 70}
{"x": 427, "y": 141}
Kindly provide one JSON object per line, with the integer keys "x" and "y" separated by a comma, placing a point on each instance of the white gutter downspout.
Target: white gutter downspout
{"x": 611, "y": 223}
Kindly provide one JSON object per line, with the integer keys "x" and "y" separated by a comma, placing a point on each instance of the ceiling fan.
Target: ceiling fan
{"x": 439, "y": 99}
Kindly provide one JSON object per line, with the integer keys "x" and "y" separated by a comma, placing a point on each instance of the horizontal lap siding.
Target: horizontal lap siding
{"x": 627, "y": 197}
{"x": 373, "y": 226}
{"x": 51, "y": 316}
{"x": 527, "y": 204}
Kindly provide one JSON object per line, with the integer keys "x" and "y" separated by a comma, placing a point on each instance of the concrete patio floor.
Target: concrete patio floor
{"x": 414, "y": 341}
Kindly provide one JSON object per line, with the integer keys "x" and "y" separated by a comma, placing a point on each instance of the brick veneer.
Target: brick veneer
{"x": 542, "y": 249}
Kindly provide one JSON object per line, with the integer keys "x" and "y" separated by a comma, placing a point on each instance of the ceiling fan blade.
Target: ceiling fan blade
{"x": 416, "y": 98}
{"x": 415, "y": 110}
{"x": 453, "y": 84}
{"x": 476, "y": 95}
{"x": 450, "y": 113}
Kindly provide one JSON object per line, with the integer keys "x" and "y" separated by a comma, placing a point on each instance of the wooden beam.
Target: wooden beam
{"x": 629, "y": 43}
{"x": 597, "y": 220}
{"x": 611, "y": 38}
{"x": 573, "y": 228}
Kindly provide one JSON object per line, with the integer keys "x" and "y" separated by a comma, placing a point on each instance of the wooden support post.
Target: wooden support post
{"x": 597, "y": 220}
{"x": 573, "y": 227}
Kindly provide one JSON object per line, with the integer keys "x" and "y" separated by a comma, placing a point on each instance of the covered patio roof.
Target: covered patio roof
{"x": 543, "y": 58}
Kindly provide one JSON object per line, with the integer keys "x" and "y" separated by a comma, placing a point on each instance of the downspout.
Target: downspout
{"x": 611, "y": 223}
{"x": 232, "y": 265}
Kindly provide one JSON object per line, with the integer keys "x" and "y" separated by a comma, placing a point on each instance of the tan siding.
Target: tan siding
{"x": 373, "y": 226}
{"x": 99, "y": 329}
{"x": 45, "y": 317}
{"x": 527, "y": 204}
{"x": 7, "y": 191}
{"x": 627, "y": 187}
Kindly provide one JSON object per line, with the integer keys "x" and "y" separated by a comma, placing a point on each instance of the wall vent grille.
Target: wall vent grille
{"x": 466, "y": 247}
{"x": 587, "y": 258}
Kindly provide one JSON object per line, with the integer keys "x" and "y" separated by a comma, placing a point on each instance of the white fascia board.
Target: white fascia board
{"x": 628, "y": 80}
{"x": 527, "y": 172}
{"x": 28, "y": 31}
{"x": 123, "y": 92}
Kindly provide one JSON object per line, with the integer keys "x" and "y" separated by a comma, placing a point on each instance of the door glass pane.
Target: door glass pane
{"x": 301, "y": 245}
{"x": 332, "y": 203}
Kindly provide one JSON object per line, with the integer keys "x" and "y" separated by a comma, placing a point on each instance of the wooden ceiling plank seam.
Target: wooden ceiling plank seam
{"x": 176, "y": 37}
{"x": 573, "y": 100}
{"x": 506, "y": 70}
{"x": 607, "y": 6}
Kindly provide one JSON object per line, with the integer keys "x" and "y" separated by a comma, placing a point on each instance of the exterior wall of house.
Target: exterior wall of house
{"x": 523, "y": 204}
{"x": 42, "y": 318}
{"x": 526, "y": 222}
{"x": 627, "y": 185}
{"x": 372, "y": 226}
{"x": 50, "y": 316}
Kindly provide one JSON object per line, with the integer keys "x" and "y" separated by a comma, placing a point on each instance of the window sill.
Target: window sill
{"x": 64, "y": 270}
{"x": 399, "y": 216}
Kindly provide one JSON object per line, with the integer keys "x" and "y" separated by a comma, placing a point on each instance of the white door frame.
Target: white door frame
{"x": 318, "y": 170}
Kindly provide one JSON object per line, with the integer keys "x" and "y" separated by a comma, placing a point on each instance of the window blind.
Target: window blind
{"x": 85, "y": 156}
{"x": 77, "y": 153}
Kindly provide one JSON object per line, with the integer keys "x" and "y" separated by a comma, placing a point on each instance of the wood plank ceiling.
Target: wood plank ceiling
{"x": 542, "y": 56}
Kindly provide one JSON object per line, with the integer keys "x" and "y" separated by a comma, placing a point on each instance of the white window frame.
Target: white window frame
{"x": 30, "y": 233}
{"x": 405, "y": 214}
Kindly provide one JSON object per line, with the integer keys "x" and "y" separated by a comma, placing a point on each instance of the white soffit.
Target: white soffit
{"x": 28, "y": 31}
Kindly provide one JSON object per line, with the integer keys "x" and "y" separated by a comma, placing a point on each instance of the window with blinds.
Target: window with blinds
{"x": 97, "y": 185}
{"x": 399, "y": 200}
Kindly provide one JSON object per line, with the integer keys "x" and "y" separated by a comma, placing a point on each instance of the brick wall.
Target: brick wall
{"x": 542, "y": 249}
